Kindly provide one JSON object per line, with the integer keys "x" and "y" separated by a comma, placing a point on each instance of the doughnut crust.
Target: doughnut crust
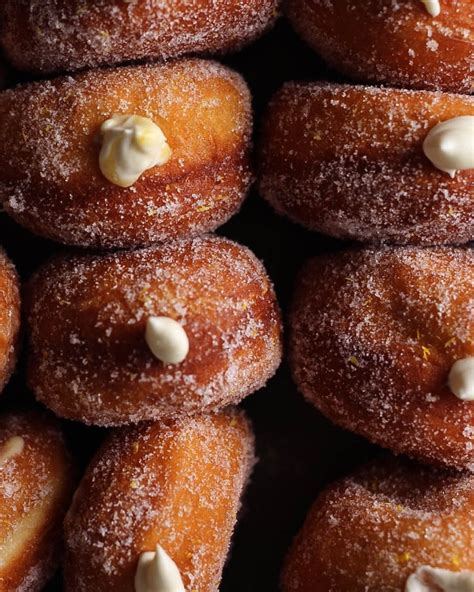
{"x": 50, "y": 180}
{"x": 374, "y": 334}
{"x": 371, "y": 531}
{"x": 35, "y": 488}
{"x": 395, "y": 43}
{"x": 177, "y": 485}
{"x": 87, "y": 315}
{"x": 45, "y": 36}
{"x": 348, "y": 161}
{"x": 9, "y": 317}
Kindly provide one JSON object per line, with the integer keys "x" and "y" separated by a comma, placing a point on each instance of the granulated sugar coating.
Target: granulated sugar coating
{"x": 9, "y": 317}
{"x": 50, "y": 180}
{"x": 374, "y": 334}
{"x": 177, "y": 485}
{"x": 36, "y": 482}
{"x": 395, "y": 42}
{"x": 348, "y": 161}
{"x": 51, "y": 36}
{"x": 87, "y": 315}
{"x": 370, "y": 531}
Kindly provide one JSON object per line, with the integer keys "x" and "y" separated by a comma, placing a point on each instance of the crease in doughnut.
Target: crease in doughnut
{"x": 15, "y": 547}
{"x": 374, "y": 337}
{"x": 88, "y": 315}
{"x": 47, "y": 36}
{"x": 51, "y": 180}
{"x": 175, "y": 484}
{"x": 390, "y": 42}
{"x": 349, "y": 161}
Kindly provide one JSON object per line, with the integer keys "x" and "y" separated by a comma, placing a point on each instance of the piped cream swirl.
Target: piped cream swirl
{"x": 131, "y": 145}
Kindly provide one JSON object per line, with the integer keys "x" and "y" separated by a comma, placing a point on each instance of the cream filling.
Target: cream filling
{"x": 167, "y": 340}
{"x": 157, "y": 572}
{"x": 432, "y": 6}
{"x": 10, "y": 449}
{"x": 450, "y": 145}
{"x": 461, "y": 379}
{"x": 131, "y": 145}
{"x": 431, "y": 579}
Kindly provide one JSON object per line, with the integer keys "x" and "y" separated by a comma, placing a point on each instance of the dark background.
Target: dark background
{"x": 299, "y": 451}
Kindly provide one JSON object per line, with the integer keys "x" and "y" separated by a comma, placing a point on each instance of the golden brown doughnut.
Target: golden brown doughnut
{"x": 396, "y": 43}
{"x": 88, "y": 317}
{"x": 373, "y": 530}
{"x": 50, "y": 147}
{"x": 50, "y": 36}
{"x": 375, "y": 337}
{"x": 176, "y": 485}
{"x": 36, "y": 481}
{"x": 349, "y": 161}
{"x": 9, "y": 317}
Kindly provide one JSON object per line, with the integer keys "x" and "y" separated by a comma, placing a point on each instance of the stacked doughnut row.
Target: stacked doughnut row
{"x": 163, "y": 328}
{"x": 382, "y": 334}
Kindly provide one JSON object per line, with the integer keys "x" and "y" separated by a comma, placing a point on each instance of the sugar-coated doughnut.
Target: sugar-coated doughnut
{"x": 9, "y": 317}
{"x": 157, "y": 333}
{"x": 382, "y": 342}
{"x": 50, "y": 36}
{"x": 354, "y": 162}
{"x": 36, "y": 481}
{"x": 168, "y": 488}
{"x": 391, "y": 526}
{"x": 127, "y": 156}
{"x": 397, "y": 43}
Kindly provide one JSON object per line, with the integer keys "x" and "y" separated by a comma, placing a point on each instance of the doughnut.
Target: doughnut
{"x": 126, "y": 157}
{"x": 382, "y": 342}
{"x": 391, "y": 526}
{"x": 49, "y": 36}
{"x": 36, "y": 480}
{"x": 9, "y": 317}
{"x": 408, "y": 44}
{"x": 370, "y": 164}
{"x": 158, "y": 333}
{"x": 157, "y": 506}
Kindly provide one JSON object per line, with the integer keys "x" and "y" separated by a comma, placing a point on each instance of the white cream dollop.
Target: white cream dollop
{"x": 450, "y": 145}
{"x": 157, "y": 572}
{"x": 131, "y": 145}
{"x": 461, "y": 379}
{"x": 10, "y": 449}
{"x": 431, "y": 579}
{"x": 432, "y": 6}
{"x": 167, "y": 340}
